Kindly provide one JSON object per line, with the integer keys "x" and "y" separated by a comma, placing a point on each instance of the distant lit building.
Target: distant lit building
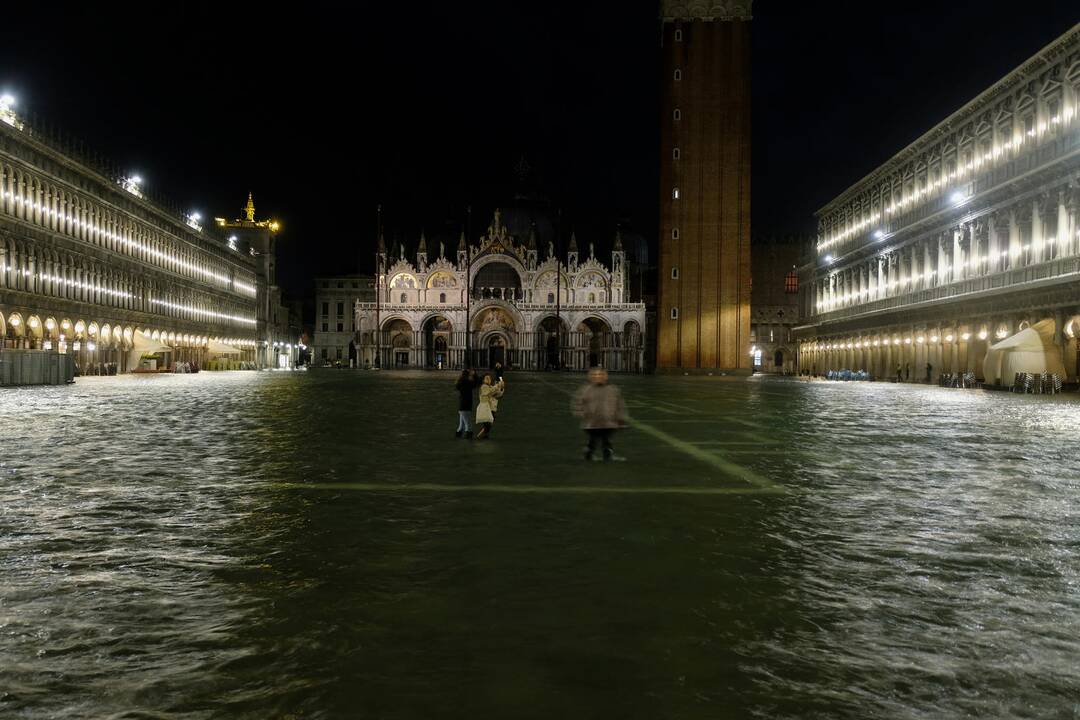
{"x": 963, "y": 238}
{"x": 334, "y": 339}
{"x": 89, "y": 266}
{"x": 258, "y": 238}
{"x": 774, "y": 304}
{"x": 503, "y": 299}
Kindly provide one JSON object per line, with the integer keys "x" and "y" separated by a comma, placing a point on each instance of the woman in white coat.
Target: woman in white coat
{"x": 489, "y": 403}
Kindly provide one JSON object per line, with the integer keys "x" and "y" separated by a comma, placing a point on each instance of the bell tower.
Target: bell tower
{"x": 703, "y": 313}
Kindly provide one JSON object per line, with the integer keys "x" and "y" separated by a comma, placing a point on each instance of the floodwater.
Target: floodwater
{"x": 318, "y": 545}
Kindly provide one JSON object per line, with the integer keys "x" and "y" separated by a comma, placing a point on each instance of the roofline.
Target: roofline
{"x": 1038, "y": 59}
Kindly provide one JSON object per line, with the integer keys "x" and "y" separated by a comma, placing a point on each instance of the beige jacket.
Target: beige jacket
{"x": 600, "y": 407}
{"x": 489, "y": 401}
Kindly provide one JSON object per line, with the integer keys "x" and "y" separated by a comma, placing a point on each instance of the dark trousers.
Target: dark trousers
{"x": 600, "y": 437}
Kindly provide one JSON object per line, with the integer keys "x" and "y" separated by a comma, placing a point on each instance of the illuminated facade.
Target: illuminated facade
{"x": 520, "y": 310}
{"x": 963, "y": 238}
{"x": 703, "y": 315}
{"x": 90, "y": 267}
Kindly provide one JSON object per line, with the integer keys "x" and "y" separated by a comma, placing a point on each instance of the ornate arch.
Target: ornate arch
{"x": 485, "y": 260}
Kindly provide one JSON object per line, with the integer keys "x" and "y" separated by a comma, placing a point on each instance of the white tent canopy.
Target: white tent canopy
{"x": 1032, "y": 350}
{"x": 216, "y": 347}
{"x": 143, "y": 344}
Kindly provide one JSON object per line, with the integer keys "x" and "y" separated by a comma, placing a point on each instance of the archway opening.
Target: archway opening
{"x": 399, "y": 336}
{"x": 438, "y": 333}
{"x": 596, "y": 337}
{"x": 497, "y": 279}
{"x": 551, "y": 336}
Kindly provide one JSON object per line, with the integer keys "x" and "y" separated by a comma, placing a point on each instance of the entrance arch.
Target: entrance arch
{"x": 551, "y": 333}
{"x": 399, "y": 336}
{"x": 593, "y": 337}
{"x": 496, "y": 346}
{"x": 437, "y": 332}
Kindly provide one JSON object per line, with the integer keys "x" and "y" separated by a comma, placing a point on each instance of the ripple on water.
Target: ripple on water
{"x": 922, "y": 565}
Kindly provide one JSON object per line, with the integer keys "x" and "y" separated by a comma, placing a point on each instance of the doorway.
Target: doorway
{"x": 496, "y": 351}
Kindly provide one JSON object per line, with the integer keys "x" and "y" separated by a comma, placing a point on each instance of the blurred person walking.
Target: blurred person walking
{"x": 602, "y": 411}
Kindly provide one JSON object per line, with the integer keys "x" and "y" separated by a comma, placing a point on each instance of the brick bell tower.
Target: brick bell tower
{"x": 703, "y": 316}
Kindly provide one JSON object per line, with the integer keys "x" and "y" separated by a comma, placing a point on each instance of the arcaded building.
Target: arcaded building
{"x": 962, "y": 239}
{"x": 93, "y": 269}
{"x": 505, "y": 299}
{"x": 703, "y": 313}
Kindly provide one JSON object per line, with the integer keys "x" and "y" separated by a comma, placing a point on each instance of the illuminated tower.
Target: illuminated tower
{"x": 703, "y": 316}
{"x": 259, "y": 239}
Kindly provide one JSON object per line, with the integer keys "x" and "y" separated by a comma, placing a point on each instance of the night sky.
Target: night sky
{"x": 325, "y": 111}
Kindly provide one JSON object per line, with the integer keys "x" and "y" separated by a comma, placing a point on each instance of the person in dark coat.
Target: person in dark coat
{"x": 466, "y": 384}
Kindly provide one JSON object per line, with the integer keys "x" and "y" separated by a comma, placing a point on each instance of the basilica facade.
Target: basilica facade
{"x": 501, "y": 300}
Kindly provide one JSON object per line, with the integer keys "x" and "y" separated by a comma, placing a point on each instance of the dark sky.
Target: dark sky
{"x": 325, "y": 110}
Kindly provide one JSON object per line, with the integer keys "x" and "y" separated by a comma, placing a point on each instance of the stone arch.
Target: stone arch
{"x": 34, "y": 327}
{"x": 498, "y": 278}
{"x": 437, "y": 333}
{"x": 593, "y": 334}
{"x": 547, "y": 331}
{"x": 485, "y": 260}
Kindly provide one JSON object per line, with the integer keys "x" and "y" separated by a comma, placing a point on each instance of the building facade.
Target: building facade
{"x": 962, "y": 239}
{"x": 502, "y": 300}
{"x": 774, "y": 305}
{"x": 91, "y": 268}
{"x": 334, "y": 340}
{"x": 703, "y": 315}
{"x": 278, "y": 346}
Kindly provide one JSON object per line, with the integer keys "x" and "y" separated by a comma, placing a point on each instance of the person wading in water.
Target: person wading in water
{"x": 465, "y": 385}
{"x": 489, "y": 404}
{"x": 602, "y": 411}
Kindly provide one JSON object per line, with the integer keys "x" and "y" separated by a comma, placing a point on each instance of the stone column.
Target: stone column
{"x": 957, "y": 254}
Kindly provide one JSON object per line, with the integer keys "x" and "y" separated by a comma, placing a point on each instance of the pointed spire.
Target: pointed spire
{"x": 573, "y": 242}
{"x": 249, "y": 209}
{"x": 382, "y": 242}
{"x": 618, "y": 239}
{"x": 531, "y": 245}
{"x": 423, "y": 243}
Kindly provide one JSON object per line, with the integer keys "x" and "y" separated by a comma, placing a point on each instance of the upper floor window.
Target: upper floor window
{"x": 326, "y": 308}
{"x": 791, "y": 282}
{"x": 674, "y": 313}
{"x": 674, "y": 233}
{"x": 551, "y": 298}
{"x": 678, "y": 34}
{"x": 674, "y": 193}
{"x": 678, "y": 74}
{"x": 341, "y": 308}
{"x": 404, "y": 298}
{"x": 675, "y": 273}
{"x": 675, "y": 154}
{"x": 677, "y": 114}
{"x": 442, "y": 297}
